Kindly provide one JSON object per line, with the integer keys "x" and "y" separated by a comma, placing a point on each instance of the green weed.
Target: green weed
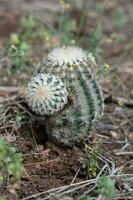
{"x": 120, "y": 18}
{"x": 3, "y": 198}
{"x": 105, "y": 189}
{"x": 92, "y": 161}
{"x": 94, "y": 40}
{"x": 66, "y": 28}
{"x": 10, "y": 166}
{"x": 20, "y": 44}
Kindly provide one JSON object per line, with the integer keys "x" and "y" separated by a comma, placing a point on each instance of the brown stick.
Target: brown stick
{"x": 119, "y": 100}
{"x": 9, "y": 89}
{"x": 123, "y": 101}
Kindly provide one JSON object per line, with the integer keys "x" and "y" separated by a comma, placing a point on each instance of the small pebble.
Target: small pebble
{"x": 130, "y": 137}
{"x": 115, "y": 135}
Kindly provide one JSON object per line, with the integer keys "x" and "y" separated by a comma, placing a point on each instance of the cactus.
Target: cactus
{"x": 85, "y": 103}
{"x": 46, "y": 94}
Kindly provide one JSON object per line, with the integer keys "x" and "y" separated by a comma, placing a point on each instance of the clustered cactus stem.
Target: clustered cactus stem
{"x": 76, "y": 71}
{"x": 93, "y": 91}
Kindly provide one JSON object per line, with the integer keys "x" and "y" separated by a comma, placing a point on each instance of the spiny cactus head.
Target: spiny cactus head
{"x": 46, "y": 94}
{"x": 67, "y": 55}
{"x": 65, "y": 60}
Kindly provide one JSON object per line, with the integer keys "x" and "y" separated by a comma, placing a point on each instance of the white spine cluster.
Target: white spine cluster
{"x": 46, "y": 94}
{"x": 66, "y": 60}
{"x": 65, "y": 55}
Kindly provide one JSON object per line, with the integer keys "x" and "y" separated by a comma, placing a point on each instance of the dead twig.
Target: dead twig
{"x": 9, "y": 89}
{"x": 124, "y": 153}
{"x": 6, "y": 99}
{"x": 75, "y": 175}
{"x": 119, "y": 100}
{"x": 34, "y": 137}
{"x": 76, "y": 186}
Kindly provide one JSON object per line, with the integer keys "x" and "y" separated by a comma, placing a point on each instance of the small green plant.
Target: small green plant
{"x": 94, "y": 40}
{"x": 33, "y": 28}
{"x": 13, "y": 59}
{"x": 66, "y": 28}
{"x": 18, "y": 120}
{"x": 25, "y": 34}
{"x": 92, "y": 162}
{"x": 106, "y": 187}
{"x": 120, "y": 18}
{"x": 17, "y": 57}
{"x": 3, "y": 198}
{"x": 20, "y": 42}
{"x": 98, "y": 7}
{"x": 10, "y": 167}
{"x": 19, "y": 45}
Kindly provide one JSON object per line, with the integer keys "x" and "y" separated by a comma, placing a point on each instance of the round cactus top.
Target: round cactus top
{"x": 46, "y": 94}
{"x": 67, "y": 55}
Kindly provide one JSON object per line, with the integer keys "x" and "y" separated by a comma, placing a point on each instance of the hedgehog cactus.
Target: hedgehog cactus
{"x": 46, "y": 94}
{"x": 75, "y": 67}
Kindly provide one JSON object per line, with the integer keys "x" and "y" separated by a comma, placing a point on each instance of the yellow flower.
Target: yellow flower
{"x": 106, "y": 66}
{"x": 64, "y": 4}
{"x": 14, "y": 39}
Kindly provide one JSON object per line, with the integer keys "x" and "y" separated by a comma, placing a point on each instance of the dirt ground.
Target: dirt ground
{"x": 47, "y": 165}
